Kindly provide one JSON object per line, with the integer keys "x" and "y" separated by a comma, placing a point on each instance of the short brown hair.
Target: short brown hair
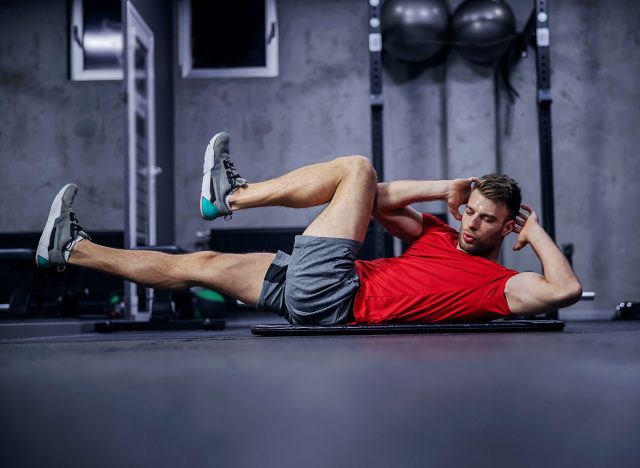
{"x": 501, "y": 188}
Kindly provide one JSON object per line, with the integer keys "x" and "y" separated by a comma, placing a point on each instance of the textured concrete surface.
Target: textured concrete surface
{"x": 230, "y": 399}
{"x": 438, "y": 123}
{"x": 54, "y": 130}
{"x": 317, "y": 109}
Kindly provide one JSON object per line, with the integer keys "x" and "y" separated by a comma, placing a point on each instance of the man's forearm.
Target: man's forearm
{"x": 400, "y": 193}
{"x": 557, "y": 271}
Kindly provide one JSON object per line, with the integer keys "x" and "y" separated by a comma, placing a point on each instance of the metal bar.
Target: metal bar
{"x": 140, "y": 224}
{"x": 543, "y": 75}
{"x": 130, "y": 230}
{"x": 377, "y": 104}
{"x": 543, "y": 72}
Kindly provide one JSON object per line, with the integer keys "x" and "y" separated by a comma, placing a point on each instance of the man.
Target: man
{"x": 443, "y": 276}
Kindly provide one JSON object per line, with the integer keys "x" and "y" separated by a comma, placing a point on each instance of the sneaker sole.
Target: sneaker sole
{"x": 42, "y": 253}
{"x": 207, "y": 209}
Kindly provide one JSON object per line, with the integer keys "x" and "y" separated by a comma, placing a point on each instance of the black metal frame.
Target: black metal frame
{"x": 536, "y": 34}
{"x": 382, "y": 243}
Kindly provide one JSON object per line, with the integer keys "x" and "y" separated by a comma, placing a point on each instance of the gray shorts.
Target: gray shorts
{"x": 316, "y": 284}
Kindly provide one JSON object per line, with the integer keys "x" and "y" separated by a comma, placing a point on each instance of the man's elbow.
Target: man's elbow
{"x": 571, "y": 294}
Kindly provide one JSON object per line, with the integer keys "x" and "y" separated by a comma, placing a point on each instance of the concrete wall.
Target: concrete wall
{"x": 54, "y": 130}
{"x": 315, "y": 110}
{"x": 596, "y": 156}
{"x": 439, "y": 122}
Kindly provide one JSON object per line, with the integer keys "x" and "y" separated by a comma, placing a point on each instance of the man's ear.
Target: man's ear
{"x": 508, "y": 228}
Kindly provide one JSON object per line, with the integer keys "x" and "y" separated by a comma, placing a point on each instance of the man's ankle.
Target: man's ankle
{"x": 76, "y": 247}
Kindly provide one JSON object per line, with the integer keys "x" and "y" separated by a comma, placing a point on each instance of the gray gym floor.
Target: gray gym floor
{"x": 230, "y": 399}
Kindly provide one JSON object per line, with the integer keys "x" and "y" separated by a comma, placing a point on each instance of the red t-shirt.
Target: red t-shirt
{"x": 431, "y": 282}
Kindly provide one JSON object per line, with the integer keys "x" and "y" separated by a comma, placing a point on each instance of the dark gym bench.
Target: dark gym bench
{"x": 18, "y": 258}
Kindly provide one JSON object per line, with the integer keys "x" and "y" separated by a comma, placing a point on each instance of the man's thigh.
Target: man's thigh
{"x": 348, "y": 214}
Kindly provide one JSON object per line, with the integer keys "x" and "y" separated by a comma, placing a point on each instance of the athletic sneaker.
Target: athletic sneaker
{"x": 219, "y": 179}
{"x": 62, "y": 231}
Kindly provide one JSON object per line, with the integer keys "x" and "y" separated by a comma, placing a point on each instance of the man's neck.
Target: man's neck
{"x": 493, "y": 256}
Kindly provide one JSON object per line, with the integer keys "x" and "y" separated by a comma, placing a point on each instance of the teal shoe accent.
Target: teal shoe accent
{"x": 43, "y": 262}
{"x": 208, "y": 209}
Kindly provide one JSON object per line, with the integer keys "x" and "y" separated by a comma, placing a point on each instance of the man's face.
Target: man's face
{"x": 484, "y": 224}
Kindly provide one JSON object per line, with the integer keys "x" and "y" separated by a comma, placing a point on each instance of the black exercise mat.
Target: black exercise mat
{"x": 504, "y": 326}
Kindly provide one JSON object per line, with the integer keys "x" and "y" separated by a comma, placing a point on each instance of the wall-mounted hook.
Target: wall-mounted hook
{"x": 76, "y": 37}
{"x": 272, "y": 33}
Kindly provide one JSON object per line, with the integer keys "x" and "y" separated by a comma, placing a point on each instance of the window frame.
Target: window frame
{"x": 270, "y": 70}
{"x": 77, "y": 70}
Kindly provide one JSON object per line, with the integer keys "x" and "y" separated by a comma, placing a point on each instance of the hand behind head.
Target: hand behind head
{"x": 524, "y": 222}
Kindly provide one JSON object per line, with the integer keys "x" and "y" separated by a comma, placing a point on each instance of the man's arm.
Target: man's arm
{"x": 393, "y": 199}
{"x": 558, "y": 286}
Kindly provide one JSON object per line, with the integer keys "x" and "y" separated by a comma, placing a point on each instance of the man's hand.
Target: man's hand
{"x": 459, "y": 191}
{"x": 524, "y": 224}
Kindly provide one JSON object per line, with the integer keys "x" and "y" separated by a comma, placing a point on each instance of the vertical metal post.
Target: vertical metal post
{"x": 140, "y": 169}
{"x": 543, "y": 72}
{"x": 377, "y": 104}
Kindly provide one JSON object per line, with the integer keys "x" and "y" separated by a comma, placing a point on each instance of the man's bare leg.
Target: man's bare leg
{"x": 237, "y": 275}
{"x": 348, "y": 183}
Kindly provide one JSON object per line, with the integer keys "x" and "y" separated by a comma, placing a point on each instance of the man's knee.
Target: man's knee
{"x": 359, "y": 166}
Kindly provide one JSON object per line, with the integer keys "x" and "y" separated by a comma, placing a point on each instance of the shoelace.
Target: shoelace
{"x": 74, "y": 229}
{"x": 230, "y": 169}
{"x": 75, "y": 225}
